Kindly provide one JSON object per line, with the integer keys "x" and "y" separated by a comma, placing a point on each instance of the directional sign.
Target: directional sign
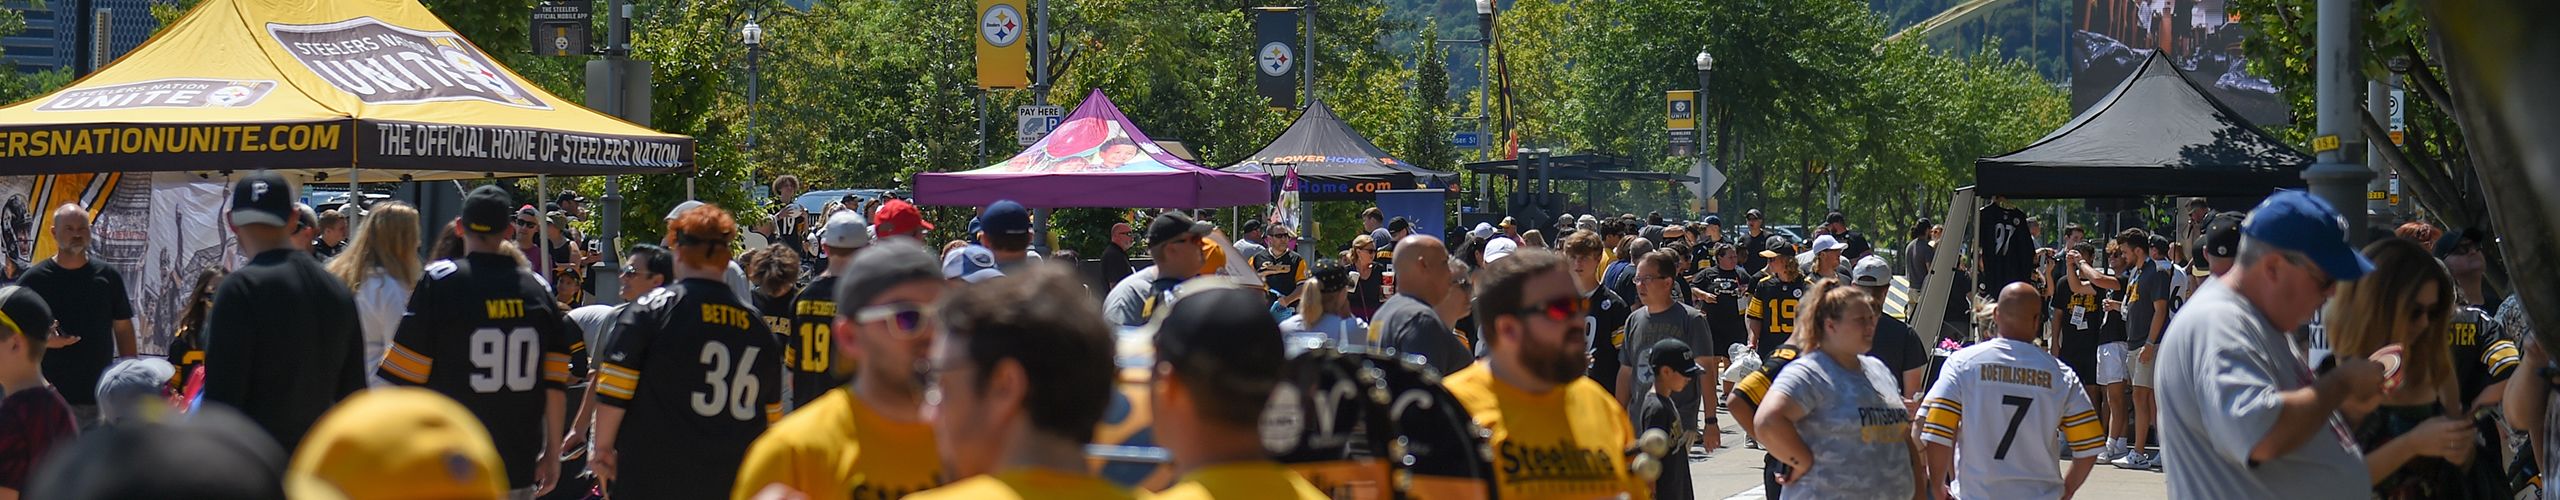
{"x": 560, "y": 27}
{"x": 1466, "y": 140}
{"x": 1033, "y": 122}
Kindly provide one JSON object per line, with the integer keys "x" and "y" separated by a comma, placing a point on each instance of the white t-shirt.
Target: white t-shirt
{"x": 2021, "y": 399}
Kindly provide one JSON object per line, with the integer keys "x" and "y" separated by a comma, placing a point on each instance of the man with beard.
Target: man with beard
{"x": 89, "y": 301}
{"x": 1553, "y": 433}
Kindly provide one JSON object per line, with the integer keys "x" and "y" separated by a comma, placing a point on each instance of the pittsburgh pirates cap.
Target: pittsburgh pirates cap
{"x": 261, "y": 198}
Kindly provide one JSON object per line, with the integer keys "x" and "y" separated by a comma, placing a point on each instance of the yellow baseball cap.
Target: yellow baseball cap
{"x": 397, "y": 443}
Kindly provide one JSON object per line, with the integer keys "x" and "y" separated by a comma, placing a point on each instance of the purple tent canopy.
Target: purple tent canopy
{"x": 1095, "y": 158}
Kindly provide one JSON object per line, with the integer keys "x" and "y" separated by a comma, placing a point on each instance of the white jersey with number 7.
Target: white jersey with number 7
{"x": 2000, "y": 404}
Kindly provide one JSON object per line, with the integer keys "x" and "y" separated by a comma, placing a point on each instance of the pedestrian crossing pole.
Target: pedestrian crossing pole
{"x": 2339, "y": 176}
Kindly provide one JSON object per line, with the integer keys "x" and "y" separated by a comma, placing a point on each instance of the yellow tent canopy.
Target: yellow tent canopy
{"x": 316, "y": 88}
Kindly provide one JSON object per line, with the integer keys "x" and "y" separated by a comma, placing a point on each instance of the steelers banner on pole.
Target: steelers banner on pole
{"x": 1003, "y": 57}
{"x": 1275, "y": 56}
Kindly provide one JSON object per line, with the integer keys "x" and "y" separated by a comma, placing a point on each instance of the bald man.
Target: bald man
{"x": 1407, "y": 321}
{"x": 91, "y": 307}
{"x": 2020, "y": 399}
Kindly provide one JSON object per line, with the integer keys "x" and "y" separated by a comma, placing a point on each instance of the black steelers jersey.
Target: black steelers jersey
{"x": 2482, "y": 353}
{"x": 1774, "y": 302}
{"x": 809, "y": 351}
{"x": 698, "y": 377}
{"x": 483, "y": 331}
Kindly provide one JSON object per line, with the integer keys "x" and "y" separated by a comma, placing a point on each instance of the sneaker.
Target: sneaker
{"x": 1752, "y": 443}
{"x": 2155, "y": 462}
{"x": 2110, "y": 453}
{"x": 2132, "y": 460}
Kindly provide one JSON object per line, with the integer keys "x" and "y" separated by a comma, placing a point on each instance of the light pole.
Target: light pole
{"x": 1698, "y": 129}
{"x": 753, "y": 35}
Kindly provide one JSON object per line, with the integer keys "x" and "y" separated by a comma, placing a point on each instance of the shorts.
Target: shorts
{"x": 2111, "y": 363}
{"x": 2141, "y": 371}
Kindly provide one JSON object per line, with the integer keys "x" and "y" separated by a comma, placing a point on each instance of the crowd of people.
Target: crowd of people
{"x": 2248, "y": 355}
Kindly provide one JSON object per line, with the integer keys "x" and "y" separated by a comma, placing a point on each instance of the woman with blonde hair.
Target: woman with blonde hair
{"x": 381, "y": 266}
{"x": 1833, "y": 417}
{"x": 2420, "y": 442}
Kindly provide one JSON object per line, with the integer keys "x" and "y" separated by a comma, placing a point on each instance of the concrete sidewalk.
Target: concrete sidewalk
{"x": 1733, "y": 472}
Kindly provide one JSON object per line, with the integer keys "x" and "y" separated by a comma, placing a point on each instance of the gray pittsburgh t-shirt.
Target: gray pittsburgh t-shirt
{"x": 1859, "y": 434}
{"x": 1643, "y": 330}
{"x": 2222, "y": 367}
{"x": 2150, "y": 285}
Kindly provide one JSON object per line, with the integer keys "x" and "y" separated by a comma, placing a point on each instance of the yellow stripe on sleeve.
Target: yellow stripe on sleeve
{"x": 1753, "y": 387}
{"x": 2082, "y": 432}
{"x": 772, "y": 412}
{"x": 2501, "y": 358}
{"x": 407, "y": 365}
{"x": 555, "y": 368}
{"x": 617, "y": 381}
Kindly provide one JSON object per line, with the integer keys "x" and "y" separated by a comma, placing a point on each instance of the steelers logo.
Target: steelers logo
{"x": 1275, "y": 58}
{"x": 233, "y": 95}
{"x": 478, "y": 73}
{"x": 1000, "y": 25}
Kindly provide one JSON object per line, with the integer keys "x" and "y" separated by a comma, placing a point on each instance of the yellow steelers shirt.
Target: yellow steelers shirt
{"x": 1567, "y": 443}
{"x": 1242, "y": 481}
{"x": 1027, "y": 483}
{"x": 836, "y": 448}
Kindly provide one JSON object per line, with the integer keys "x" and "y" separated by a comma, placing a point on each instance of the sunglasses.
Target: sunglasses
{"x": 1561, "y": 309}
{"x": 909, "y": 316}
{"x": 523, "y": 223}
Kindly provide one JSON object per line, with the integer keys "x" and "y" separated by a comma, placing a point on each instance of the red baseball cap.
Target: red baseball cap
{"x": 898, "y": 218}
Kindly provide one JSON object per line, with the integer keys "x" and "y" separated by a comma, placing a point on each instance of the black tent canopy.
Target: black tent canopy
{"x": 1583, "y": 167}
{"x": 2156, "y": 134}
{"x": 1335, "y": 162}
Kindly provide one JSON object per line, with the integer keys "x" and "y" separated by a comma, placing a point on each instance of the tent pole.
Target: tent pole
{"x": 542, "y": 221}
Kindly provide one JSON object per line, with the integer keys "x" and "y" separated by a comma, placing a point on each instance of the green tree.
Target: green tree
{"x": 1429, "y": 145}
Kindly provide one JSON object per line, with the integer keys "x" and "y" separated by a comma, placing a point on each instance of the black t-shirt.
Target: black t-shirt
{"x": 87, "y": 302}
{"x": 1658, "y": 413}
{"x": 788, "y": 229}
{"x": 1725, "y": 315}
{"x": 2008, "y": 253}
{"x": 484, "y": 332}
{"x": 808, "y": 340}
{"x": 1898, "y": 346}
{"x": 322, "y": 250}
{"x": 2113, "y": 326}
{"x": 775, "y": 314}
{"x": 699, "y": 378}
{"x": 1284, "y": 283}
{"x": 1115, "y": 264}
{"x": 282, "y": 344}
{"x": 1752, "y": 245}
{"x": 1410, "y": 326}
{"x": 1370, "y": 292}
{"x": 1606, "y": 327}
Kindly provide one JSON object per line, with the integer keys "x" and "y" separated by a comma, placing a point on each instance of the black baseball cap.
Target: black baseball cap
{"x": 22, "y": 311}
{"x": 2221, "y": 236}
{"x": 1331, "y": 275}
{"x": 1225, "y": 337}
{"x": 211, "y": 454}
{"x": 262, "y": 197}
{"x": 2445, "y": 246}
{"x": 1674, "y": 354}
{"x": 1752, "y": 214}
{"x": 484, "y": 210}
{"x": 1169, "y": 226}
{"x": 1005, "y": 217}
{"x": 1399, "y": 224}
{"x": 1252, "y": 225}
{"x": 1715, "y": 220}
{"x": 566, "y": 196}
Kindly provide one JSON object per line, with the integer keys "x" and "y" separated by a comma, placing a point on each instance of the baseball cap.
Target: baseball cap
{"x": 898, "y": 218}
{"x": 1824, "y": 243}
{"x": 304, "y": 215}
{"x": 2221, "y": 236}
{"x": 484, "y": 210}
{"x": 681, "y": 208}
{"x": 882, "y": 267}
{"x": 1482, "y": 230}
{"x": 1835, "y": 218}
{"x": 2444, "y": 246}
{"x": 1006, "y": 217}
{"x": 1775, "y": 246}
{"x": 1674, "y": 354}
{"x": 1251, "y": 225}
{"x": 1399, "y": 224}
{"x": 1331, "y": 275}
{"x": 397, "y": 442}
{"x": 1856, "y": 243}
{"x": 261, "y": 198}
{"x": 1509, "y": 223}
{"x": 845, "y": 229}
{"x": 21, "y": 308}
{"x": 1224, "y": 336}
{"x": 210, "y": 454}
{"x": 1169, "y": 226}
{"x": 972, "y": 264}
{"x": 566, "y": 196}
{"x": 1752, "y": 214}
{"x": 1715, "y": 220}
{"x": 2296, "y": 221}
{"x": 1871, "y": 271}
{"x": 132, "y": 387}
{"x": 1499, "y": 248}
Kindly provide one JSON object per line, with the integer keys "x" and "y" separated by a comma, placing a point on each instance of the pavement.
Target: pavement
{"x": 1733, "y": 473}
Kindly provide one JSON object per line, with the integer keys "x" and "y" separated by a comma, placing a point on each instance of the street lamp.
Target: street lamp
{"x": 1706, "y": 67}
{"x": 753, "y": 35}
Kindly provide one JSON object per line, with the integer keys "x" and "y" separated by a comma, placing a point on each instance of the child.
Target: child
{"x": 33, "y": 418}
{"x": 1673, "y": 368}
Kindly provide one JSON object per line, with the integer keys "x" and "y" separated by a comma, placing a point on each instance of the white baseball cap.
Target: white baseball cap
{"x": 845, "y": 229}
{"x": 1871, "y": 271}
{"x": 681, "y": 208}
{"x": 1824, "y": 243}
{"x": 1482, "y": 230}
{"x": 1497, "y": 249}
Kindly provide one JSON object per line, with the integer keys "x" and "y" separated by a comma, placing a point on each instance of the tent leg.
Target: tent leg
{"x": 541, "y": 221}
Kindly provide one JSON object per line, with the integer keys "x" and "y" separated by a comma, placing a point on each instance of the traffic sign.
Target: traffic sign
{"x": 1033, "y": 122}
{"x": 1466, "y": 140}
